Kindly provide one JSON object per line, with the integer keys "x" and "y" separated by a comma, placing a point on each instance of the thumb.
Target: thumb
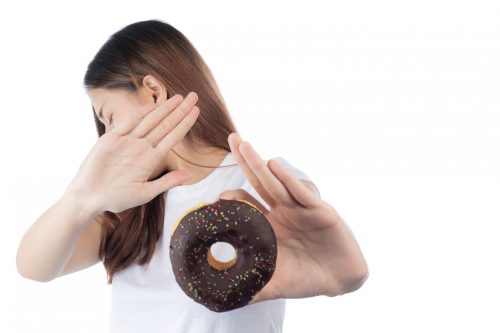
{"x": 267, "y": 293}
{"x": 167, "y": 181}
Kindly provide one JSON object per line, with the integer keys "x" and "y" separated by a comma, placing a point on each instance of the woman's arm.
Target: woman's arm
{"x": 49, "y": 244}
{"x": 133, "y": 148}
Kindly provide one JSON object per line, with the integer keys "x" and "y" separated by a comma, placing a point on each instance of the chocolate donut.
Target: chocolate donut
{"x": 223, "y": 286}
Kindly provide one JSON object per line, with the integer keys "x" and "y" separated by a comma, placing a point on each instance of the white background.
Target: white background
{"x": 391, "y": 107}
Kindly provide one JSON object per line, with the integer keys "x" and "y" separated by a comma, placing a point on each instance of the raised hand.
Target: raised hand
{"x": 114, "y": 175}
{"x": 317, "y": 254}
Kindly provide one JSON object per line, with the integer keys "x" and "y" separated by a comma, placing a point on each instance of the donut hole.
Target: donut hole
{"x": 221, "y": 255}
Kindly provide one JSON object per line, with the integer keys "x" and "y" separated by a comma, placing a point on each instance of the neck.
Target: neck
{"x": 199, "y": 163}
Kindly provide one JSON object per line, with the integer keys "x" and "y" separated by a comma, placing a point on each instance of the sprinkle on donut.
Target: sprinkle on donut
{"x": 223, "y": 286}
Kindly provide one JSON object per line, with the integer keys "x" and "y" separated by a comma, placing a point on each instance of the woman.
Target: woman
{"x": 167, "y": 142}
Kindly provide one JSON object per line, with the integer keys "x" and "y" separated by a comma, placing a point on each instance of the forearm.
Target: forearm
{"x": 48, "y": 244}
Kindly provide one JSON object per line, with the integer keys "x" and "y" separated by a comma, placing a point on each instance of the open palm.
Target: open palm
{"x": 114, "y": 175}
{"x": 317, "y": 253}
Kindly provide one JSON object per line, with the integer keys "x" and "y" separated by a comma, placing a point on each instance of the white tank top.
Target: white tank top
{"x": 149, "y": 300}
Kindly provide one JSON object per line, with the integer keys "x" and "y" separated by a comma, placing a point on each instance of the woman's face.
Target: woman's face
{"x": 116, "y": 105}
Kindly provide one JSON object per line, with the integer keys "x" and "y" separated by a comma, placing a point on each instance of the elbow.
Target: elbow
{"x": 30, "y": 276}
{"x": 25, "y": 272}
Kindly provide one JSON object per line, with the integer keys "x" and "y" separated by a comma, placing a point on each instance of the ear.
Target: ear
{"x": 154, "y": 88}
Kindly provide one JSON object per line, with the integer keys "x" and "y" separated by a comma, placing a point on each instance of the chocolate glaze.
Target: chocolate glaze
{"x": 244, "y": 227}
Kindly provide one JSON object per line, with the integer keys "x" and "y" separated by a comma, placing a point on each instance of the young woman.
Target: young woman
{"x": 166, "y": 143}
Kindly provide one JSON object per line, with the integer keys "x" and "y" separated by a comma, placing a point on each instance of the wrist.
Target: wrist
{"x": 84, "y": 207}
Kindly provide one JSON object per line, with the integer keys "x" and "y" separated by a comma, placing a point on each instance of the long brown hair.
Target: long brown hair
{"x": 153, "y": 47}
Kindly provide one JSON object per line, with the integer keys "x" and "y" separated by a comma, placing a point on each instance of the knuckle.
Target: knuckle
{"x": 186, "y": 125}
{"x": 170, "y": 139}
{"x": 185, "y": 106}
{"x": 258, "y": 187}
{"x": 149, "y": 122}
{"x": 260, "y": 167}
{"x": 189, "y": 120}
{"x": 166, "y": 125}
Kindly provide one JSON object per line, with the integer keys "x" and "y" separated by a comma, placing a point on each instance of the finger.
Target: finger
{"x": 295, "y": 187}
{"x": 241, "y": 194}
{"x": 169, "y": 122}
{"x": 154, "y": 118}
{"x": 171, "y": 179}
{"x": 175, "y": 136}
{"x": 234, "y": 143}
{"x": 265, "y": 177}
{"x": 129, "y": 124}
{"x": 267, "y": 293}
